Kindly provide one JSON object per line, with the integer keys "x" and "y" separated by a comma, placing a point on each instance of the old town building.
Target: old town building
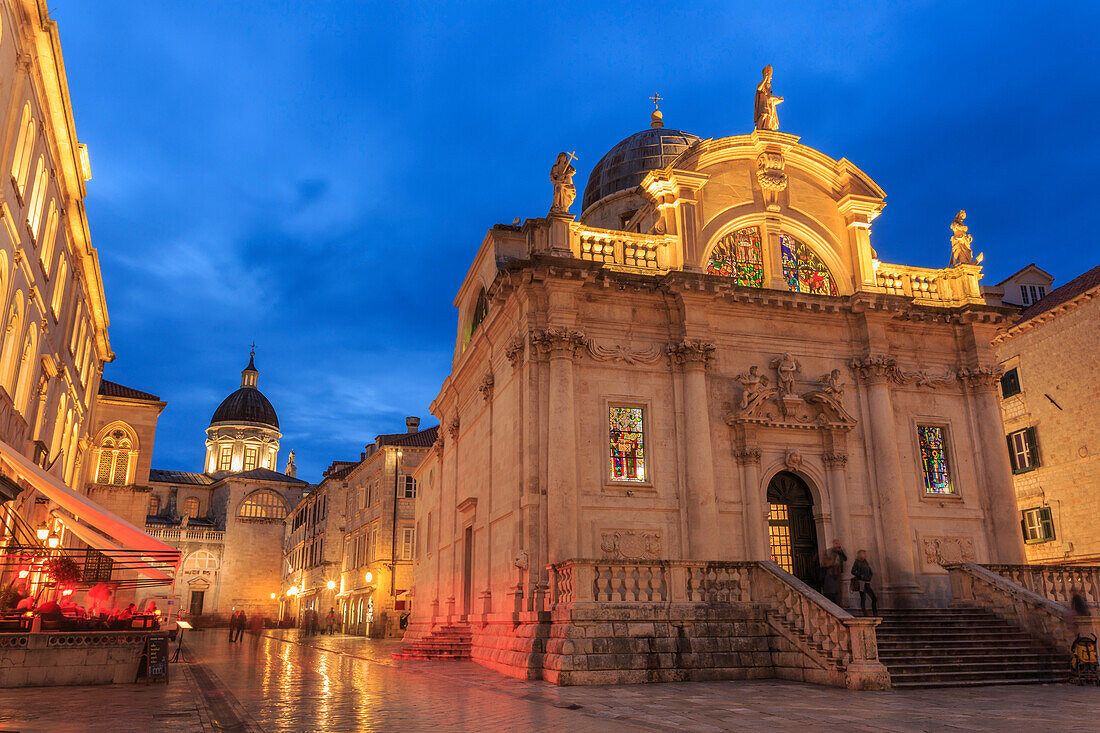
{"x": 709, "y": 370}
{"x": 380, "y": 534}
{"x": 227, "y": 521}
{"x": 1051, "y": 410}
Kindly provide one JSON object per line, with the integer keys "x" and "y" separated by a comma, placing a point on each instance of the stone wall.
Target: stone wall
{"x": 85, "y": 658}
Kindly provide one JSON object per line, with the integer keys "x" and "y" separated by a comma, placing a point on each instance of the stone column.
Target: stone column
{"x": 699, "y": 495}
{"x": 898, "y": 558}
{"x": 835, "y": 462}
{"x": 755, "y": 516}
{"x": 1004, "y": 514}
{"x": 560, "y": 345}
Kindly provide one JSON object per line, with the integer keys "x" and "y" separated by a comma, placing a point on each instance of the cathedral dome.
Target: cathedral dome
{"x": 247, "y": 404}
{"x": 625, "y": 165}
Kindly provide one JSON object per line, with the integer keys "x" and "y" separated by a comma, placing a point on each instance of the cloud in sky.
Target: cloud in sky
{"x": 317, "y": 176}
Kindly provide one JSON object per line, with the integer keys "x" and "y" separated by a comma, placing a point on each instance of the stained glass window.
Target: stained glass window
{"x": 627, "y": 444}
{"x": 803, "y": 269}
{"x": 740, "y": 256}
{"x": 933, "y": 458}
{"x": 779, "y": 536}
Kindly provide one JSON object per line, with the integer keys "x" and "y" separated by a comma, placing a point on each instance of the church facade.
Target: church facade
{"x": 686, "y": 395}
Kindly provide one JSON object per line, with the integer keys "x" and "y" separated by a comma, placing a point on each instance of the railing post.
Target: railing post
{"x": 677, "y": 583}
{"x": 864, "y": 671}
{"x": 583, "y": 581}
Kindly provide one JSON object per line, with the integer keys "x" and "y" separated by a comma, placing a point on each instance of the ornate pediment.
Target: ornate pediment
{"x": 784, "y": 406}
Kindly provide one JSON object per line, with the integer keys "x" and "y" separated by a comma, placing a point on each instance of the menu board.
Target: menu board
{"x": 154, "y": 659}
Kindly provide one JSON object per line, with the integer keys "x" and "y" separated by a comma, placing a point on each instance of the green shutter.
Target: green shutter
{"x": 1047, "y": 522}
{"x": 1023, "y": 528}
{"x": 1033, "y": 445}
{"x": 1012, "y": 454}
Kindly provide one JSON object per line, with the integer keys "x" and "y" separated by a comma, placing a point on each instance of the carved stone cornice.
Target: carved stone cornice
{"x": 557, "y": 342}
{"x": 875, "y": 368}
{"x": 835, "y": 459}
{"x": 452, "y": 428}
{"x": 486, "y": 386}
{"x": 980, "y": 377}
{"x": 745, "y": 456}
{"x": 514, "y": 351}
{"x": 691, "y": 351}
{"x": 618, "y": 352}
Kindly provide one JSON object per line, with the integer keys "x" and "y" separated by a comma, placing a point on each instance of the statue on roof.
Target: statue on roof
{"x": 961, "y": 251}
{"x": 764, "y": 115}
{"x": 561, "y": 175}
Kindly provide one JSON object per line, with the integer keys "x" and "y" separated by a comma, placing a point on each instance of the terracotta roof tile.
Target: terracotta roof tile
{"x": 179, "y": 477}
{"x": 420, "y": 439}
{"x": 1069, "y": 291}
{"x": 107, "y": 388}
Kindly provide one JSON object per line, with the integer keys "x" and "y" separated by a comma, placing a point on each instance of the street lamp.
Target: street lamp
{"x": 272, "y": 596}
{"x": 42, "y": 532}
{"x": 292, "y": 590}
{"x": 368, "y": 577}
{"x": 331, "y": 585}
{"x": 53, "y": 540}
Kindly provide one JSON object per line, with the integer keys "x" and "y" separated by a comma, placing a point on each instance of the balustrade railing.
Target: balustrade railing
{"x": 913, "y": 282}
{"x": 1058, "y": 583}
{"x": 185, "y": 535}
{"x": 608, "y": 246}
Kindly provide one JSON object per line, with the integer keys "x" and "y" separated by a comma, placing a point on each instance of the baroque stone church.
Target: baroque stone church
{"x": 684, "y": 396}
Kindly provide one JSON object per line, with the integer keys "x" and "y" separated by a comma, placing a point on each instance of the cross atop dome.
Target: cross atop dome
{"x": 250, "y": 375}
{"x": 656, "y": 120}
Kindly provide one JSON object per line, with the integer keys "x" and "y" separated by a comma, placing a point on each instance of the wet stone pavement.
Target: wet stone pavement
{"x": 281, "y": 682}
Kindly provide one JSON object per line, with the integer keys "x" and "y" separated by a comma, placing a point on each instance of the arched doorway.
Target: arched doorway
{"x": 792, "y": 535}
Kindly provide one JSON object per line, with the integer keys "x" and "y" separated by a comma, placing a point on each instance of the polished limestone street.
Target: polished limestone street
{"x": 280, "y": 682}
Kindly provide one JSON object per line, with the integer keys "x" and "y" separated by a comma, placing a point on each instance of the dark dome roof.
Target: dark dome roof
{"x": 626, "y": 164}
{"x": 247, "y": 404}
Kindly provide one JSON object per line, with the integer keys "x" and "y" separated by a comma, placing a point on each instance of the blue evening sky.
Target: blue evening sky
{"x": 317, "y": 176}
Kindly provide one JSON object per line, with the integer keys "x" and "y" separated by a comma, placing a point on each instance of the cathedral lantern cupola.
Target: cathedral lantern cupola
{"x": 244, "y": 430}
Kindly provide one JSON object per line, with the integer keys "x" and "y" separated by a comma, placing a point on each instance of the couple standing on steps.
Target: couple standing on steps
{"x": 832, "y": 565}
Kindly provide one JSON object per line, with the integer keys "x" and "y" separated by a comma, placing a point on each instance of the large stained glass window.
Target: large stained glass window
{"x": 740, "y": 256}
{"x": 627, "y": 444}
{"x": 803, "y": 269}
{"x": 933, "y": 458}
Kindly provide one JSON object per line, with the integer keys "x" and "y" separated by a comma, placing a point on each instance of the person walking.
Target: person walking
{"x": 232, "y": 627}
{"x": 837, "y": 558}
{"x": 861, "y": 583}
{"x": 330, "y": 625}
{"x": 828, "y": 579}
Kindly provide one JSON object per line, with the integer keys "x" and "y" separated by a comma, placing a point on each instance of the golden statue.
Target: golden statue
{"x": 561, "y": 175}
{"x": 961, "y": 252}
{"x": 764, "y": 114}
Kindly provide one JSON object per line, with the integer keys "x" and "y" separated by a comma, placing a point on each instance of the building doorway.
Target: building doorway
{"x": 792, "y": 534}
{"x": 467, "y": 570}
{"x": 197, "y": 597}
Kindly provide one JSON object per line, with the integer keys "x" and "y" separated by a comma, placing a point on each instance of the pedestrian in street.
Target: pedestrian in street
{"x": 330, "y": 626}
{"x": 837, "y": 559}
{"x": 232, "y": 627}
{"x": 828, "y": 579}
{"x": 242, "y": 621}
{"x": 861, "y": 583}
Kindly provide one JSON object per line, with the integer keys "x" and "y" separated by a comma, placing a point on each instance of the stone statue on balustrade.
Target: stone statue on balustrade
{"x": 561, "y": 175}
{"x": 764, "y": 115}
{"x": 755, "y": 389}
{"x": 785, "y": 368}
{"x": 961, "y": 251}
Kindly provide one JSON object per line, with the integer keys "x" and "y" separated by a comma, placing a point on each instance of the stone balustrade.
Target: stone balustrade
{"x": 1057, "y": 583}
{"x": 913, "y": 282}
{"x": 176, "y": 534}
{"x": 611, "y": 247}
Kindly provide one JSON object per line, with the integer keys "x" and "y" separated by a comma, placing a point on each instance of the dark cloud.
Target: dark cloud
{"x": 317, "y": 177}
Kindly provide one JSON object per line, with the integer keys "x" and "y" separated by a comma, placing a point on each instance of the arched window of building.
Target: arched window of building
{"x": 21, "y": 163}
{"x": 190, "y": 508}
{"x": 13, "y": 341}
{"x": 739, "y": 255}
{"x": 481, "y": 310}
{"x": 803, "y": 270}
{"x": 28, "y": 370}
{"x": 59, "y": 287}
{"x": 78, "y": 323}
{"x": 263, "y": 504}
{"x": 201, "y": 560}
{"x": 154, "y": 505}
{"x": 38, "y": 196}
{"x": 59, "y": 426}
{"x": 45, "y": 252}
{"x": 114, "y": 459}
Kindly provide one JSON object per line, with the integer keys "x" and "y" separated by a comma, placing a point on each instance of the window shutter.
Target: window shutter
{"x": 1033, "y": 445}
{"x": 1012, "y": 454}
{"x": 1023, "y": 528}
{"x": 1047, "y": 522}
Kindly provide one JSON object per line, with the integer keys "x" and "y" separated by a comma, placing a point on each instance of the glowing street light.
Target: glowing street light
{"x": 272, "y": 596}
{"x": 369, "y": 576}
{"x": 331, "y": 584}
{"x": 53, "y": 541}
{"x": 42, "y": 532}
{"x": 292, "y": 590}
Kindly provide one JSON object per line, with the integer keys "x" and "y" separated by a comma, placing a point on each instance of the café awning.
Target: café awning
{"x": 129, "y": 560}
{"x": 81, "y": 506}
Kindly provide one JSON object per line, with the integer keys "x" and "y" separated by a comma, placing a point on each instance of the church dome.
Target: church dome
{"x": 247, "y": 404}
{"x": 625, "y": 165}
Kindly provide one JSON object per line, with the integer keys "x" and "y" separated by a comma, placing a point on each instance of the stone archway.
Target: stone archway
{"x": 792, "y": 534}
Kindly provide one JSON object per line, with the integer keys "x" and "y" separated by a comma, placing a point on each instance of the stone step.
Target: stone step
{"x": 978, "y": 683}
{"x": 938, "y": 677}
{"x": 999, "y": 666}
{"x": 945, "y": 634}
{"x": 905, "y": 656}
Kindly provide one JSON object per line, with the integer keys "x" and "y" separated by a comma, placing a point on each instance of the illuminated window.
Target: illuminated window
{"x": 154, "y": 505}
{"x": 59, "y": 287}
{"x": 1038, "y": 525}
{"x": 740, "y": 256}
{"x": 481, "y": 310}
{"x": 1023, "y": 450}
{"x": 934, "y": 461}
{"x": 190, "y": 508}
{"x": 803, "y": 269}
{"x": 250, "y": 457}
{"x": 45, "y": 252}
{"x": 21, "y": 163}
{"x": 38, "y": 196}
{"x": 627, "y": 444}
{"x": 408, "y": 487}
{"x": 113, "y": 466}
{"x": 264, "y": 505}
{"x": 201, "y": 560}
{"x": 225, "y": 458}
{"x": 779, "y": 536}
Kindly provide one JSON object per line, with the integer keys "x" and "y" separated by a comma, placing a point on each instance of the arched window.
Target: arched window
{"x": 59, "y": 287}
{"x": 28, "y": 370}
{"x": 59, "y": 426}
{"x": 803, "y": 269}
{"x": 113, "y": 463}
{"x": 13, "y": 341}
{"x": 45, "y": 252}
{"x": 481, "y": 310}
{"x": 201, "y": 560}
{"x": 190, "y": 508}
{"x": 154, "y": 505}
{"x": 38, "y": 196}
{"x": 739, "y": 255}
{"x": 21, "y": 163}
{"x": 263, "y": 504}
